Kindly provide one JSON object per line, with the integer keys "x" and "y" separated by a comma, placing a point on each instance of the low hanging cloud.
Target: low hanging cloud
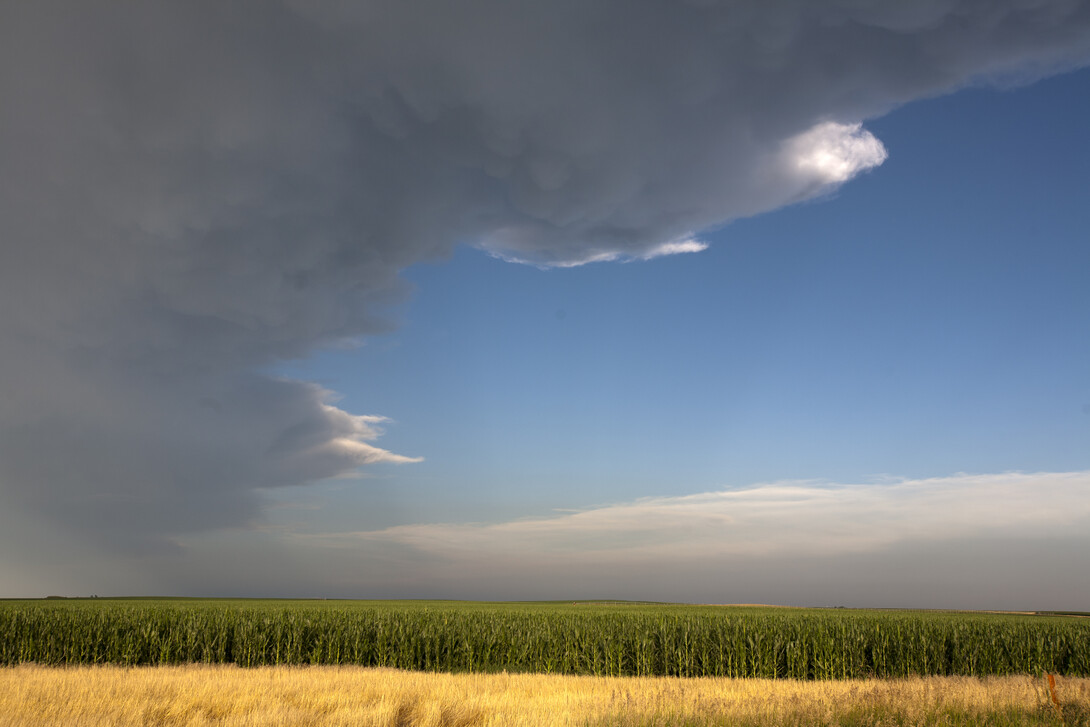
{"x": 1012, "y": 540}
{"x": 787, "y": 519}
{"x": 195, "y": 191}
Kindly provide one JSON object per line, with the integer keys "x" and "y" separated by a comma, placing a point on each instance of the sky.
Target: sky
{"x": 720, "y": 302}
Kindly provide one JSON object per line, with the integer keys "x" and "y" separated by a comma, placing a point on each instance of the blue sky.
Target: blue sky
{"x": 928, "y": 318}
{"x": 712, "y": 302}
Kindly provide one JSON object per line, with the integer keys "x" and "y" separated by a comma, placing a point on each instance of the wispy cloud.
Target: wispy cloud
{"x": 354, "y": 440}
{"x": 785, "y": 519}
{"x": 680, "y": 246}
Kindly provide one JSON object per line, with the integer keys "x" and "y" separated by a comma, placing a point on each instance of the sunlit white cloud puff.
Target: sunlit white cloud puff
{"x": 832, "y": 153}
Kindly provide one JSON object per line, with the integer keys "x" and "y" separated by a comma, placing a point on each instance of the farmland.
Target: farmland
{"x": 297, "y": 696}
{"x": 605, "y": 639}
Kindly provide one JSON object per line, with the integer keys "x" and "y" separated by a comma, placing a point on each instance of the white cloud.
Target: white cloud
{"x": 679, "y": 246}
{"x": 788, "y": 519}
{"x": 358, "y": 431}
{"x": 832, "y": 153}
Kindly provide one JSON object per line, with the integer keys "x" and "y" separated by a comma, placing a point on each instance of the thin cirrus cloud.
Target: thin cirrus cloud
{"x": 1012, "y": 540}
{"x": 785, "y": 519}
{"x": 195, "y": 192}
{"x": 680, "y": 246}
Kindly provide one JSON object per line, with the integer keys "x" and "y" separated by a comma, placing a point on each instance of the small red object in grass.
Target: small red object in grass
{"x": 1055, "y": 702}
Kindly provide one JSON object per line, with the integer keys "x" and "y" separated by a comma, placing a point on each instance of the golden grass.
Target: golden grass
{"x": 227, "y": 696}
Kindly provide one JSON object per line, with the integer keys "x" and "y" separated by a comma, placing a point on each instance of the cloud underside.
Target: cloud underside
{"x": 194, "y": 192}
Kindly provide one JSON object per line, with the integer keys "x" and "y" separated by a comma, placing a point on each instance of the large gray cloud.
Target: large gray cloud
{"x": 193, "y": 191}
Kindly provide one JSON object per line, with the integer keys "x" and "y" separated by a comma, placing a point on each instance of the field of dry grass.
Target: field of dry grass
{"x": 194, "y": 695}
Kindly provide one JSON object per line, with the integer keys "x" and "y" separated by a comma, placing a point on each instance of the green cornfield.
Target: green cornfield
{"x": 564, "y": 638}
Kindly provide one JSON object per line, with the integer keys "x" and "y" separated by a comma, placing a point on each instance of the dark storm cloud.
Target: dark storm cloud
{"x": 192, "y": 191}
